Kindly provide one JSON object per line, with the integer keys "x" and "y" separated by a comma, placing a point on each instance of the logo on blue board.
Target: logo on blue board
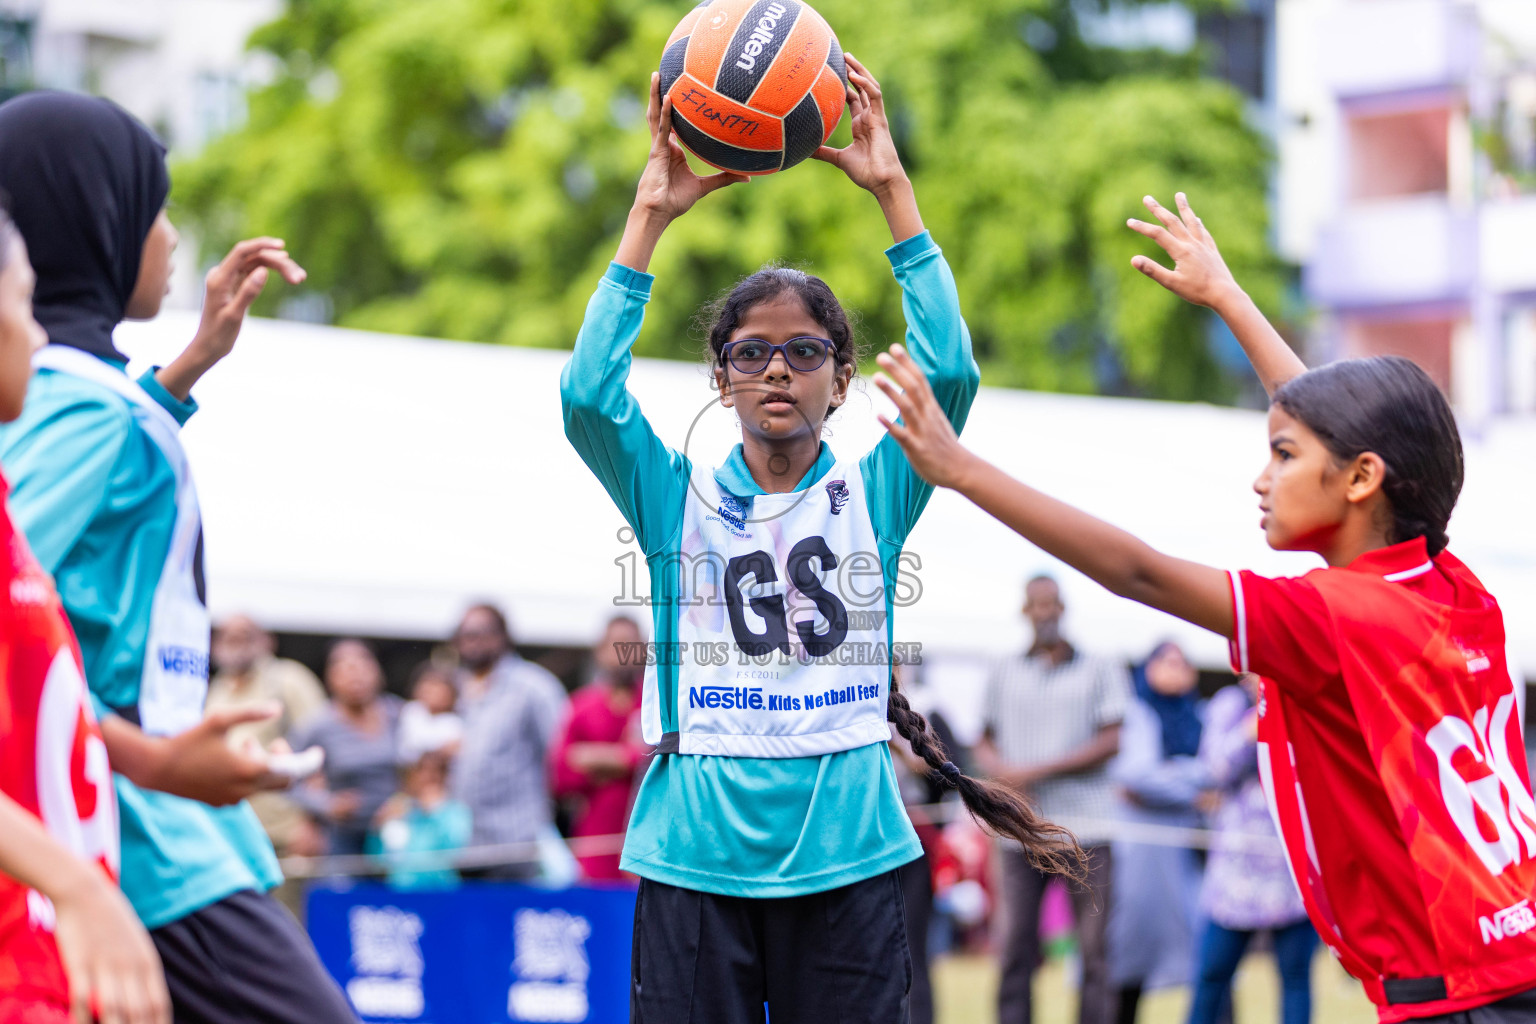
{"x": 550, "y": 964}
{"x": 386, "y": 954}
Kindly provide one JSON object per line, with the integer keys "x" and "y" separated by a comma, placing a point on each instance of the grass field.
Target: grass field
{"x": 965, "y": 989}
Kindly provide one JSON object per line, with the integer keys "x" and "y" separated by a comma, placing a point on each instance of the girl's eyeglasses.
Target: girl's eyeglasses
{"x": 752, "y": 355}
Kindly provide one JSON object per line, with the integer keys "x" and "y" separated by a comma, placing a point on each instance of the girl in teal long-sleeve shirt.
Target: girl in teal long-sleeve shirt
{"x": 767, "y": 832}
{"x": 103, "y": 492}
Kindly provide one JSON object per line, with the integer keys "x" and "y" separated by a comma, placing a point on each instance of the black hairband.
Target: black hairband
{"x": 950, "y": 773}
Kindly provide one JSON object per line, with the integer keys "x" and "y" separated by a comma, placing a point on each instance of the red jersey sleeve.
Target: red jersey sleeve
{"x": 1284, "y": 633}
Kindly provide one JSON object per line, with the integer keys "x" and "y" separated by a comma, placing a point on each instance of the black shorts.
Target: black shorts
{"x": 245, "y": 960}
{"x": 1515, "y": 1009}
{"x": 835, "y": 957}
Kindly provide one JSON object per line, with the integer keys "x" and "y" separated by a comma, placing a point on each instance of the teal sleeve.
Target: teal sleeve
{"x": 170, "y": 403}
{"x": 60, "y": 466}
{"x": 940, "y": 344}
{"x": 645, "y": 478}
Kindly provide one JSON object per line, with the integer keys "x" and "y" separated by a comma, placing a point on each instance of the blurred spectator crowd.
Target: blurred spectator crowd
{"x": 490, "y": 757}
{"x": 488, "y": 752}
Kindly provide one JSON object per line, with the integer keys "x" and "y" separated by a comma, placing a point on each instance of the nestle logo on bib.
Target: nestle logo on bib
{"x": 184, "y": 661}
{"x": 1509, "y": 922}
{"x": 725, "y": 697}
{"x": 734, "y": 511}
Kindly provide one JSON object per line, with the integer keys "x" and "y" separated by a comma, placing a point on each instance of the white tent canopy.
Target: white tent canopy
{"x": 370, "y": 483}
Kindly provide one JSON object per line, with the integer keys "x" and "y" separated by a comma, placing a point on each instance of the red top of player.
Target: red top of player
{"x": 1388, "y": 703}
{"x": 1388, "y": 715}
{"x": 52, "y": 760}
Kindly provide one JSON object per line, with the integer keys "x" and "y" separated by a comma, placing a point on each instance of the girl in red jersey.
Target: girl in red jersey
{"x": 70, "y": 946}
{"x": 1387, "y": 712}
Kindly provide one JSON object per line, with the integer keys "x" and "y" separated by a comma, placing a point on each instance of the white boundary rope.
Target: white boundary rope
{"x": 526, "y": 854}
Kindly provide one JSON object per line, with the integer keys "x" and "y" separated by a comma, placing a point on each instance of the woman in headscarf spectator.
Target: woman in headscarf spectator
{"x": 1154, "y": 912}
{"x": 357, "y": 730}
{"x": 595, "y": 754}
{"x": 1248, "y": 887}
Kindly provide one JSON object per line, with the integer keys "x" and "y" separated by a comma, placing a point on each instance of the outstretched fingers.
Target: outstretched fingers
{"x": 653, "y": 105}
{"x": 903, "y": 382}
{"x": 858, "y": 102}
{"x": 867, "y": 81}
{"x": 1156, "y": 232}
{"x": 1187, "y": 217}
{"x": 711, "y": 182}
{"x": 250, "y": 291}
{"x": 894, "y": 393}
{"x": 1155, "y": 270}
{"x": 243, "y": 251}
{"x": 1168, "y": 218}
{"x": 664, "y": 121}
{"x": 278, "y": 260}
{"x": 828, "y": 155}
{"x": 906, "y": 371}
{"x": 898, "y": 426}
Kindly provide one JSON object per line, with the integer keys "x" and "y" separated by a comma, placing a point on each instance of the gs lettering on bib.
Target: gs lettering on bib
{"x": 782, "y": 641}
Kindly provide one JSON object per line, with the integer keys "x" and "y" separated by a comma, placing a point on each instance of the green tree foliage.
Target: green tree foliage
{"x": 463, "y": 168}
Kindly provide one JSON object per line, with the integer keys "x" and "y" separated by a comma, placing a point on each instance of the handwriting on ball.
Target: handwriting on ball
{"x": 699, "y": 102}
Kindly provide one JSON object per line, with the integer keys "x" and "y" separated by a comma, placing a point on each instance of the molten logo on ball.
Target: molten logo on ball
{"x": 760, "y": 37}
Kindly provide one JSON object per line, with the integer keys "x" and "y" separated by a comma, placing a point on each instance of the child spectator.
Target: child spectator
{"x": 428, "y": 723}
{"x": 420, "y": 828}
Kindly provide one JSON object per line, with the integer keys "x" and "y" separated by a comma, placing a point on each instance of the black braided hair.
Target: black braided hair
{"x": 1051, "y": 848}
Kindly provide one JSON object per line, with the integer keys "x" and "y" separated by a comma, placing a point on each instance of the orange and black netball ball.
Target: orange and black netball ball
{"x": 756, "y": 85}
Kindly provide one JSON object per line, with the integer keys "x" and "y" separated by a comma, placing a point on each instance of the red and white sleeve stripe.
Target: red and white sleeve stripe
{"x": 1239, "y": 642}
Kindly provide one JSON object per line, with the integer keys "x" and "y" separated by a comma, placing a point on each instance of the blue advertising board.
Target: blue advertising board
{"x": 484, "y": 953}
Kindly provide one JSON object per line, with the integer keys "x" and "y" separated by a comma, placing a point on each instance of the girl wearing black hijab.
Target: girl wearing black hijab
{"x": 102, "y": 489}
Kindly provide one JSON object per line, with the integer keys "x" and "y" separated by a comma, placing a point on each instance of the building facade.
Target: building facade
{"x": 1406, "y": 186}
{"x": 180, "y": 66}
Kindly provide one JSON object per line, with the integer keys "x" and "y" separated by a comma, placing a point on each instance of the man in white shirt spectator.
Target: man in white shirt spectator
{"x": 511, "y": 709}
{"x": 1051, "y": 724}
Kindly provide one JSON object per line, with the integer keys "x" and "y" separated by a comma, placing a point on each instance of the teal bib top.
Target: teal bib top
{"x": 97, "y": 502}
{"x": 763, "y": 827}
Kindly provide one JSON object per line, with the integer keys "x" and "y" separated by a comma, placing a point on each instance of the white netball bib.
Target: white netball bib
{"x": 783, "y": 646}
{"x": 174, "y": 684}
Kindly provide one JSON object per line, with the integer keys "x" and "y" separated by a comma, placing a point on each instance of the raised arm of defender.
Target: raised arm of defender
{"x": 1114, "y": 558}
{"x": 1200, "y": 275}
{"x": 1120, "y": 562}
